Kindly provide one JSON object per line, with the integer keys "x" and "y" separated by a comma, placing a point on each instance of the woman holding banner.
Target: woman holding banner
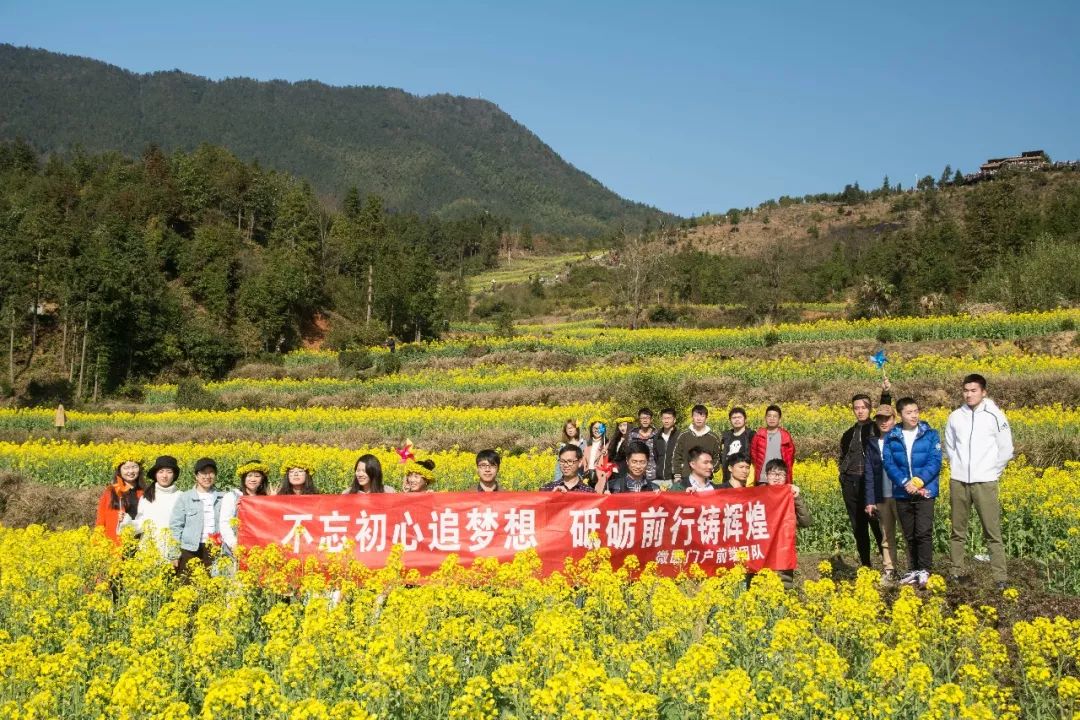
{"x": 296, "y": 479}
{"x": 419, "y": 475}
{"x": 368, "y": 477}
{"x": 254, "y": 478}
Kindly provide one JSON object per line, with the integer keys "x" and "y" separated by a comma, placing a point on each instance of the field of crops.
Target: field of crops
{"x": 754, "y": 372}
{"x": 86, "y": 634}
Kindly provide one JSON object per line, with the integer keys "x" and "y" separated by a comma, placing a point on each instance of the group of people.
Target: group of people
{"x": 605, "y": 463}
{"x": 186, "y": 525}
{"x": 888, "y": 473}
{"x": 889, "y": 466}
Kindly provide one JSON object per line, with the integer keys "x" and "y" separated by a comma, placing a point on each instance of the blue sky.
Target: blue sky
{"x": 683, "y": 105}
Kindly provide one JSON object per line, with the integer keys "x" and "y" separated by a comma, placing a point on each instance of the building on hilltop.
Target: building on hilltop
{"x": 1030, "y": 160}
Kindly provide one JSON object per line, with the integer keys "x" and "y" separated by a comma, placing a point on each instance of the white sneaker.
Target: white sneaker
{"x": 982, "y": 557}
{"x": 924, "y": 577}
{"x": 911, "y": 578}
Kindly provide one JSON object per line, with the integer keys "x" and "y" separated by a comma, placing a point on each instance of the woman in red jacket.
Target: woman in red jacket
{"x": 120, "y": 501}
{"x": 783, "y": 448}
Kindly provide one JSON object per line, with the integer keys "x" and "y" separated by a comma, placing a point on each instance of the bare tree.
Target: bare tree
{"x": 641, "y": 257}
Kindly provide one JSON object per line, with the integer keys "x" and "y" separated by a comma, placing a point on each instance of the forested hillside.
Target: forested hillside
{"x": 442, "y": 155}
{"x": 1012, "y": 242}
{"x": 187, "y": 262}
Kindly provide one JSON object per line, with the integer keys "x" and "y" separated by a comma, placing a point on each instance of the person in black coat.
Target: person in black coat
{"x": 852, "y": 464}
{"x": 664, "y": 445}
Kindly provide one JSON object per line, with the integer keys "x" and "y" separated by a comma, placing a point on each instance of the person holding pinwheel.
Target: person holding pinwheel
{"x": 595, "y": 447}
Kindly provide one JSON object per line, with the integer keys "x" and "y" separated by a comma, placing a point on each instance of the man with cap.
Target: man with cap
{"x": 878, "y": 490}
{"x": 195, "y": 520}
{"x": 852, "y": 464}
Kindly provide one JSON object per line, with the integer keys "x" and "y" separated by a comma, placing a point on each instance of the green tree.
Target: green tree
{"x": 210, "y": 265}
{"x": 874, "y": 297}
{"x": 946, "y": 176}
{"x": 352, "y": 203}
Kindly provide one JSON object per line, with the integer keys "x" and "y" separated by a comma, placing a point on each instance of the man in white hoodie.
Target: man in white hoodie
{"x": 979, "y": 444}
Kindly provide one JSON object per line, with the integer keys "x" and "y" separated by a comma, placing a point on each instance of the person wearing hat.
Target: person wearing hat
{"x": 119, "y": 503}
{"x": 419, "y": 476}
{"x": 254, "y": 477}
{"x": 878, "y": 490}
{"x": 296, "y": 479}
{"x": 157, "y": 503}
{"x": 195, "y": 522}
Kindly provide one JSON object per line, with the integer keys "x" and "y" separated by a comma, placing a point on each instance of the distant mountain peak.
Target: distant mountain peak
{"x": 440, "y": 154}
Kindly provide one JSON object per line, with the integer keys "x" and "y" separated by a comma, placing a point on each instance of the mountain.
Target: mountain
{"x": 441, "y": 154}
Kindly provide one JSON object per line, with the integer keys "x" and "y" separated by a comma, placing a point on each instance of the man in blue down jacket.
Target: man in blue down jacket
{"x": 911, "y": 456}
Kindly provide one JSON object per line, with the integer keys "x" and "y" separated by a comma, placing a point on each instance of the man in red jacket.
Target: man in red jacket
{"x": 772, "y": 442}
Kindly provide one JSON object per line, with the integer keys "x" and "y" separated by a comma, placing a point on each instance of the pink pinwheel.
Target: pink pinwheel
{"x": 605, "y": 466}
{"x": 405, "y": 452}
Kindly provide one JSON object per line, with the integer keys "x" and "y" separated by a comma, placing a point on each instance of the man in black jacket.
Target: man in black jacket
{"x": 852, "y": 464}
{"x": 635, "y": 479}
{"x": 664, "y": 445}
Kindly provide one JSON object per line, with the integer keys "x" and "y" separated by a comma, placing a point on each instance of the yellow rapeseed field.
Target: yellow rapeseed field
{"x": 87, "y": 634}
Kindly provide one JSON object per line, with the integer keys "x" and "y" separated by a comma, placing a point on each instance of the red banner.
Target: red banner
{"x": 755, "y": 526}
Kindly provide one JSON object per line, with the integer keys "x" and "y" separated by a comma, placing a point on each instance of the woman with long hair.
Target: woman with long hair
{"x": 157, "y": 503}
{"x": 254, "y": 478}
{"x": 119, "y": 503}
{"x": 595, "y": 447}
{"x": 368, "y": 477}
{"x": 296, "y": 480}
{"x": 616, "y": 449}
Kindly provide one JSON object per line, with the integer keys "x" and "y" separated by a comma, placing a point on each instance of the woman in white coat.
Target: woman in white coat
{"x": 254, "y": 478}
{"x": 157, "y": 503}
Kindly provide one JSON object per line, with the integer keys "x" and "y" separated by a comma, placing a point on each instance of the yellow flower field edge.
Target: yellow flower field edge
{"x": 601, "y": 341}
{"x": 541, "y": 423}
{"x": 1040, "y": 519}
{"x": 84, "y": 634}
{"x": 483, "y": 378}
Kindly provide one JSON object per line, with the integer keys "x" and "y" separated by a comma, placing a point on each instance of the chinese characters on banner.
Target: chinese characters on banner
{"x": 755, "y": 526}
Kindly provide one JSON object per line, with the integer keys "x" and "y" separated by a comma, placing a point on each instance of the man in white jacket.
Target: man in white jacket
{"x": 979, "y": 444}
